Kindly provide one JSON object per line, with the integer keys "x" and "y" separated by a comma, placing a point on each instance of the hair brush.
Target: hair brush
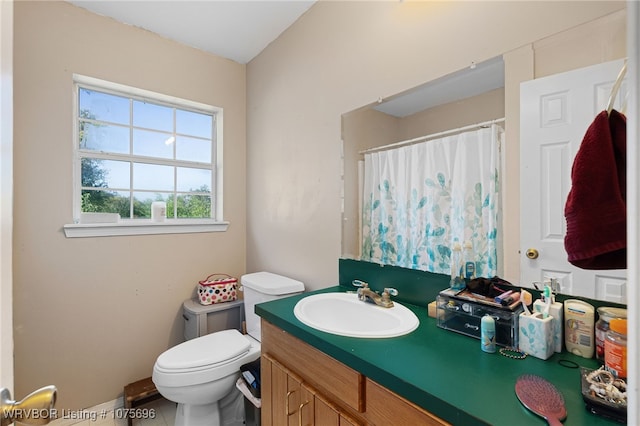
{"x": 541, "y": 397}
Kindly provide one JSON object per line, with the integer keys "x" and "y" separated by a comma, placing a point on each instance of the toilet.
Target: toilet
{"x": 200, "y": 374}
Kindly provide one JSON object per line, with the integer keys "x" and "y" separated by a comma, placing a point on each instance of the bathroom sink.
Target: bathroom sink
{"x": 343, "y": 314}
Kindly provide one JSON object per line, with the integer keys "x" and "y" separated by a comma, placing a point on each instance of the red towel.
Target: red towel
{"x": 596, "y": 209}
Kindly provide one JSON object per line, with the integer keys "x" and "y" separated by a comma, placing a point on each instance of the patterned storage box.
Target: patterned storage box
{"x": 217, "y": 288}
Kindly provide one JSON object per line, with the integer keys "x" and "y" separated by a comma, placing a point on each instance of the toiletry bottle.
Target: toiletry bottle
{"x": 469, "y": 261}
{"x": 488, "y": 334}
{"x": 579, "y": 327}
{"x": 615, "y": 348}
{"x": 605, "y": 315}
{"x": 457, "y": 281}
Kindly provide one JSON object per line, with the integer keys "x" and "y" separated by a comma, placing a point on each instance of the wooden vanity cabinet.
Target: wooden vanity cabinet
{"x": 303, "y": 386}
{"x": 292, "y": 402}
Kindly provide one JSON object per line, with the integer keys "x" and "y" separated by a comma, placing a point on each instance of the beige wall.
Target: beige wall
{"x": 361, "y": 129}
{"x": 342, "y": 55}
{"x": 92, "y": 314}
{"x": 476, "y": 109}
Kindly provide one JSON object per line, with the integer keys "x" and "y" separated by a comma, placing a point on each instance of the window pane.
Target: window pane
{"x": 100, "y": 201}
{"x": 193, "y": 180}
{"x": 152, "y": 144}
{"x": 152, "y": 177}
{"x": 142, "y": 203}
{"x": 194, "y": 123}
{"x": 194, "y": 206}
{"x": 101, "y": 106}
{"x": 152, "y": 116}
{"x": 190, "y": 149}
{"x": 119, "y": 138}
{"x": 99, "y": 173}
{"x": 104, "y": 138}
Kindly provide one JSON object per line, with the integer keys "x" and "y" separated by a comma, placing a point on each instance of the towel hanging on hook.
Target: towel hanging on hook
{"x": 616, "y": 87}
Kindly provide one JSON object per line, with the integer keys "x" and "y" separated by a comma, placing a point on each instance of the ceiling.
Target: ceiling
{"x": 474, "y": 80}
{"x": 235, "y": 29}
{"x": 240, "y": 29}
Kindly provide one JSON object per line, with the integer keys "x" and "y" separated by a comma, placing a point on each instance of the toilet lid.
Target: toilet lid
{"x": 204, "y": 351}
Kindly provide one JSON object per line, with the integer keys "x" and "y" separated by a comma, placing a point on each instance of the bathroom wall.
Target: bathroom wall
{"x": 92, "y": 314}
{"x": 340, "y": 56}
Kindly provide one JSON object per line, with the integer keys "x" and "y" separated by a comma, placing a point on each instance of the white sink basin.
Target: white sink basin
{"x": 345, "y": 315}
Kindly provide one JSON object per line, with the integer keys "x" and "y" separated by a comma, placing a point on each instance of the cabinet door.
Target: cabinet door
{"x": 325, "y": 414}
{"x": 328, "y": 414}
{"x": 279, "y": 394}
{"x": 387, "y": 408}
{"x": 348, "y": 421}
{"x": 285, "y": 401}
{"x": 307, "y": 407}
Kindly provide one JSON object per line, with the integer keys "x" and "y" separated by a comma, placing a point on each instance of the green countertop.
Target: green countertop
{"x": 443, "y": 372}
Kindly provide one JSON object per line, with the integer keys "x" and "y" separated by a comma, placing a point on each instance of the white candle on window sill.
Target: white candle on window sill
{"x": 158, "y": 211}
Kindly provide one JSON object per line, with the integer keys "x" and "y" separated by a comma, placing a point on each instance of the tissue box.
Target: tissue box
{"x": 536, "y": 335}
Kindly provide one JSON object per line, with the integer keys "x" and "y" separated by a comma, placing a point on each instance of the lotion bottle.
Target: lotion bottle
{"x": 579, "y": 327}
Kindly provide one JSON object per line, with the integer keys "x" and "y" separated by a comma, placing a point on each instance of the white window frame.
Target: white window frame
{"x": 145, "y": 226}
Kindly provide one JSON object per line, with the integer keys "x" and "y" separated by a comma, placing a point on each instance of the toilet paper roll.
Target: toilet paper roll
{"x": 158, "y": 211}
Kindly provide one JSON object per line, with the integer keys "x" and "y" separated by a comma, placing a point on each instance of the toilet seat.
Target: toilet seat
{"x": 204, "y": 352}
{"x": 203, "y": 359}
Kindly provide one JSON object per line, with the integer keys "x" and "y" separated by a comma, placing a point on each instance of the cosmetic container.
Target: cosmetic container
{"x": 615, "y": 348}
{"x": 605, "y": 314}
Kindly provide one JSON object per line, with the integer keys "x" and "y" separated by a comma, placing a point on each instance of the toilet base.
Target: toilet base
{"x": 229, "y": 411}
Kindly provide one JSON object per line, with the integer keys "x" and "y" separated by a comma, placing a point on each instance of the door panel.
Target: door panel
{"x": 555, "y": 113}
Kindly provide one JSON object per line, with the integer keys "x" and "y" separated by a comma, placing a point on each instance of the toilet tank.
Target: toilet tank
{"x": 262, "y": 287}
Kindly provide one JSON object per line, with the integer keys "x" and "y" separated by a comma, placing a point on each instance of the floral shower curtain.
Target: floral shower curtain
{"x": 419, "y": 199}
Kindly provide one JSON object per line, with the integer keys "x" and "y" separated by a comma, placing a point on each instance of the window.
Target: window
{"x": 134, "y": 147}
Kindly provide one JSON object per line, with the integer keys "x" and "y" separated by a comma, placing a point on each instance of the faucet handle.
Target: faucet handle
{"x": 359, "y": 283}
{"x": 391, "y": 291}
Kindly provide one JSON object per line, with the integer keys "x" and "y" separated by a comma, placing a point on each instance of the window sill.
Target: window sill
{"x": 143, "y": 227}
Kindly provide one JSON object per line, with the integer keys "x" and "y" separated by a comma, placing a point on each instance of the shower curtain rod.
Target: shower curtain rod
{"x": 433, "y": 136}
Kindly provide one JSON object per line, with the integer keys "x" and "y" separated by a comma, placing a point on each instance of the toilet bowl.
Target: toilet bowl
{"x": 200, "y": 374}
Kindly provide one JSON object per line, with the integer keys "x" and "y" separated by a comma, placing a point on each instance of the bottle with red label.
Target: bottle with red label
{"x": 615, "y": 348}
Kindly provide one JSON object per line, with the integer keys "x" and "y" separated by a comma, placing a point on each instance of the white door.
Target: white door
{"x": 555, "y": 113}
{"x": 6, "y": 190}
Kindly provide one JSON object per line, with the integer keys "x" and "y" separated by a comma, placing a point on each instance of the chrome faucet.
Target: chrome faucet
{"x": 367, "y": 295}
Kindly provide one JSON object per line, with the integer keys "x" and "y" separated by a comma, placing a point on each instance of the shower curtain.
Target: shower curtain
{"x": 420, "y": 199}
